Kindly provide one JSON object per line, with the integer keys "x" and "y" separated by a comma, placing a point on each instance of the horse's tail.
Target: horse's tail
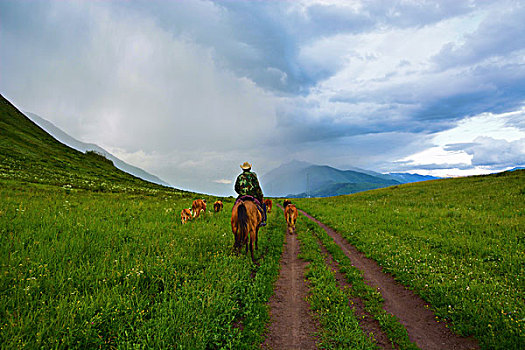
{"x": 242, "y": 221}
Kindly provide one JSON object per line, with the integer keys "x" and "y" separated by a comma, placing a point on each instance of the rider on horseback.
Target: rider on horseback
{"x": 247, "y": 184}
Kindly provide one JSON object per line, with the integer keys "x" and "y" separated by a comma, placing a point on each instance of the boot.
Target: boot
{"x": 263, "y": 221}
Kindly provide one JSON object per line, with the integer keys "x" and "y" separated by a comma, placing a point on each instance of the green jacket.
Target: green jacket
{"x": 248, "y": 184}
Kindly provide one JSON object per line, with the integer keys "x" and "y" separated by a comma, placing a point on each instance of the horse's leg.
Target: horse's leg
{"x": 257, "y": 238}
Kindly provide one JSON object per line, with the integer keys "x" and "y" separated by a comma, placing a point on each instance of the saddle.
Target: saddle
{"x": 247, "y": 197}
{"x": 258, "y": 204}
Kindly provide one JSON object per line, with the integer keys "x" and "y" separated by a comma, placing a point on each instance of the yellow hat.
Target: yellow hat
{"x": 246, "y": 166}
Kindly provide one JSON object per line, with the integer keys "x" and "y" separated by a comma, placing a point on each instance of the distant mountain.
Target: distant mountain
{"x": 338, "y": 189}
{"x": 286, "y": 179}
{"x": 28, "y": 154}
{"x": 66, "y": 139}
{"x": 301, "y": 179}
{"x": 408, "y": 178}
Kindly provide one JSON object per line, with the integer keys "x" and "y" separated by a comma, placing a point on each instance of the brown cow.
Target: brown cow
{"x": 269, "y": 204}
{"x": 198, "y": 206}
{"x": 185, "y": 215}
{"x": 217, "y": 206}
{"x": 290, "y": 214}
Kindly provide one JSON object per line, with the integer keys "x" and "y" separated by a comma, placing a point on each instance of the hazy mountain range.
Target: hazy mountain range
{"x": 70, "y": 141}
{"x": 302, "y": 179}
{"x": 293, "y": 179}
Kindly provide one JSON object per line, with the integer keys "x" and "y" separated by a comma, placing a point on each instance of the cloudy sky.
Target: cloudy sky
{"x": 189, "y": 90}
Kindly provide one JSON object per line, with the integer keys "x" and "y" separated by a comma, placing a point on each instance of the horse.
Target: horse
{"x": 290, "y": 214}
{"x": 269, "y": 204}
{"x": 198, "y": 206}
{"x": 245, "y": 225}
{"x": 217, "y": 206}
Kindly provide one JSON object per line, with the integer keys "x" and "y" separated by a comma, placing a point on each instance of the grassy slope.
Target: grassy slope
{"x": 459, "y": 243}
{"x": 93, "y": 257}
{"x": 27, "y": 153}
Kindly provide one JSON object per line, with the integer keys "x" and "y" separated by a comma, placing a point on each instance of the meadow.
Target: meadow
{"x": 93, "y": 257}
{"x": 459, "y": 244}
{"x": 84, "y": 269}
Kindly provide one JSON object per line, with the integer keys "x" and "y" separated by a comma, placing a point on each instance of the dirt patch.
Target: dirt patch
{"x": 410, "y": 309}
{"x": 291, "y": 324}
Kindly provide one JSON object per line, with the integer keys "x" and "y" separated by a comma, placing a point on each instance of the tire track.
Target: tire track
{"x": 367, "y": 323}
{"x": 291, "y": 324}
{"x": 410, "y": 309}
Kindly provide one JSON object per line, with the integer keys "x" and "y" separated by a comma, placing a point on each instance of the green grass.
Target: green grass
{"x": 372, "y": 299}
{"x": 458, "y": 243}
{"x": 84, "y": 269}
{"x": 93, "y": 257}
{"x": 339, "y": 325}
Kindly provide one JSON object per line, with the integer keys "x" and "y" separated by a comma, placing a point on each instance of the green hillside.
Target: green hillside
{"x": 459, "y": 243}
{"x": 92, "y": 257}
{"x": 338, "y": 189}
{"x": 27, "y": 153}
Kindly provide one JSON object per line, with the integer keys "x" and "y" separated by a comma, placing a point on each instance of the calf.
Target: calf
{"x": 217, "y": 206}
{"x": 290, "y": 214}
{"x": 185, "y": 215}
{"x": 269, "y": 204}
{"x": 198, "y": 206}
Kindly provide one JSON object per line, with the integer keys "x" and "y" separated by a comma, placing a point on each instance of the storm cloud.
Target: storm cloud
{"x": 188, "y": 90}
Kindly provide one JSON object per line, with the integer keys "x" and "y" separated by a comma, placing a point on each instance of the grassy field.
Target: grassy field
{"x": 84, "y": 269}
{"x": 459, "y": 243}
{"x": 93, "y": 257}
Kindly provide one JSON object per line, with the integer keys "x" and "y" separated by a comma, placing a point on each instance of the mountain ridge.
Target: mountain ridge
{"x": 70, "y": 141}
{"x": 28, "y": 154}
{"x": 302, "y": 179}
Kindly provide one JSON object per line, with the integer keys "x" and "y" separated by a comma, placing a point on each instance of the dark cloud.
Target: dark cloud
{"x": 499, "y": 36}
{"x": 338, "y": 83}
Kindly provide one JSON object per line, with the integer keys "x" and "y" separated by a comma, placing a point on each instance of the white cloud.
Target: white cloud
{"x": 223, "y": 181}
{"x": 487, "y": 151}
{"x": 483, "y": 143}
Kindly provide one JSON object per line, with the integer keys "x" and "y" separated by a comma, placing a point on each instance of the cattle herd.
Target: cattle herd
{"x": 199, "y": 206}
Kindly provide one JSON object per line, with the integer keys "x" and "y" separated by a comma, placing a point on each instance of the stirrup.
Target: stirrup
{"x": 263, "y": 223}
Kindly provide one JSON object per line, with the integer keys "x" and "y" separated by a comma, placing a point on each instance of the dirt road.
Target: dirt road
{"x": 293, "y": 327}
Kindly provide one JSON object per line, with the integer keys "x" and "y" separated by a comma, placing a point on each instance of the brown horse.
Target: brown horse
{"x": 269, "y": 205}
{"x": 245, "y": 225}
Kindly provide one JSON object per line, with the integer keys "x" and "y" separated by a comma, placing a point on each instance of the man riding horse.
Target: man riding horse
{"x": 247, "y": 184}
